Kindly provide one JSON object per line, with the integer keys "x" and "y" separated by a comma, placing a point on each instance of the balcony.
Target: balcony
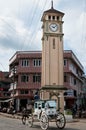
{"x": 28, "y": 69}
{"x": 13, "y": 71}
{"x": 13, "y": 86}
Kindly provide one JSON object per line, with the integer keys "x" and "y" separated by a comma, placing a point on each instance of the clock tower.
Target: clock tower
{"x": 52, "y": 54}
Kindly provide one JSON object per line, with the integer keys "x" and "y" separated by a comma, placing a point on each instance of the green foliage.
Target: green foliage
{"x": 68, "y": 112}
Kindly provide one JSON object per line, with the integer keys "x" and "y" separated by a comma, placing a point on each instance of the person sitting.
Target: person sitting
{"x": 29, "y": 108}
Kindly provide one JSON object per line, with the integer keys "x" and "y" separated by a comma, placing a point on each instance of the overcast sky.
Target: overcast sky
{"x": 20, "y": 27}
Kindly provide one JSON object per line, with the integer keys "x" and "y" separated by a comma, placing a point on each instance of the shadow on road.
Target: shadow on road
{"x": 51, "y": 128}
{"x": 55, "y": 128}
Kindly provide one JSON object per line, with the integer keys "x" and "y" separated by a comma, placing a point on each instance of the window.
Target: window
{"x": 65, "y": 62}
{"x": 37, "y": 62}
{"x": 24, "y": 78}
{"x": 49, "y": 17}
{"x": 37, "y": 78}
{"x": 35, "y": 105}
{"x": 65, "y": 78}
{"x": 25, "y": 62}
{"x": 53, "y": 17}
{"x": 77, "y": 71}
{"x": 53, "y": 43}
{"x": 75, "y": 93}
{"x": 74, "y": 81}
{"x": 23, "y": 91}
{"x": 57, "y": 17}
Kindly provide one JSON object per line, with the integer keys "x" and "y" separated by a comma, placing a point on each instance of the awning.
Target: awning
{"x": 6, "y": 100}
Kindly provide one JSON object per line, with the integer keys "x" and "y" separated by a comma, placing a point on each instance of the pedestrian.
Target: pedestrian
{"x": 29, "y": 108}
{"x": 24, "y": 115}
{"x": 74, "y": 110}
{"x": 80, "y": 111}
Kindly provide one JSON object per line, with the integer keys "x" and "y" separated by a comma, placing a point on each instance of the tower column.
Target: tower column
{"x": 52, "y": 56}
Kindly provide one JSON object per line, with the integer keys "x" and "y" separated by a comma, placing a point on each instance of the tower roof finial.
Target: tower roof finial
{"x": 51, "y": 4}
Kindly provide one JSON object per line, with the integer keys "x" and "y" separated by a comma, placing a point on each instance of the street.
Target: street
{"x": 16, "y": 124}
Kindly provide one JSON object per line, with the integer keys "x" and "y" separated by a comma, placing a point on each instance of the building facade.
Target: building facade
{"x": 83, "y": 97}
{"x": 73, "y": 79}
{"x": 25, "y": 72}
{"x": 4, "y": 89}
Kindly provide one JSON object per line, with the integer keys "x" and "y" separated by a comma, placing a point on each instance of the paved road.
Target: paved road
{"x": 15, "y": 124}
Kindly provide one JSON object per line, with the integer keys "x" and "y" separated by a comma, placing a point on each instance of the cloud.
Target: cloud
{"x": 12, "y": 33}
{"x": 75, "y": 32}
{"x": 20, "y": 21}
{"x": 20, "y": 26}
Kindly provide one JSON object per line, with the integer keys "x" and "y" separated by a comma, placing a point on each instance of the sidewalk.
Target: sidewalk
{"x": 16, "y": 116}
{"x": 69, "y": 118}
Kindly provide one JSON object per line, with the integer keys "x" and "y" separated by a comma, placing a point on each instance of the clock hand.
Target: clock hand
{"x": 53, "y": 26}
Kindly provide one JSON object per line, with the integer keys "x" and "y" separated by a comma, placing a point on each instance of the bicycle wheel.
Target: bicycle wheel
{"x": 30, "y": 121}
{"x": 44, "y": 123}
{"x": 60, "y": 120}
{"x": 24, "y": 120}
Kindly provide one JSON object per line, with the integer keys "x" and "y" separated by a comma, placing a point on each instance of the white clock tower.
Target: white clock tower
{"x": 52, "y": 54}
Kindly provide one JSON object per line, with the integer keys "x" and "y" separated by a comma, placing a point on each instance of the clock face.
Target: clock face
{"x": 53, "y": 27}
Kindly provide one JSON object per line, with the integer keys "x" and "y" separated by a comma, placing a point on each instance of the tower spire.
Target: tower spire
{"x": 51, "y": 4}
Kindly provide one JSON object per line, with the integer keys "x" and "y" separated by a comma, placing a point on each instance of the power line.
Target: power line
{"x": 11, "y": 27}
{"x": 2, "y": 66}
{"x": 36, "y": 29}
{"x": 32, "y": 19}
{"x": 8, "y": 24}
{"x": 37, "y": 25}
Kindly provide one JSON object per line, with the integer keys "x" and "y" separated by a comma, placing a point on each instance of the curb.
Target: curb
{"x": 10, "y": 115}
{"x": 69, "y": 119}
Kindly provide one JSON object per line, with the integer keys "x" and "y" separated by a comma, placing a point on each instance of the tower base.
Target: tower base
{"x": 53, "y": 93}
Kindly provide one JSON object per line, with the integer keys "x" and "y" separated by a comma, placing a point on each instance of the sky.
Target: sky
{"x": 20, "y": 27}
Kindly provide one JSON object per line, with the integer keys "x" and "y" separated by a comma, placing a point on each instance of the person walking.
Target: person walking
{"x": 74, "y": 110}
{"x": 80, "y": 111}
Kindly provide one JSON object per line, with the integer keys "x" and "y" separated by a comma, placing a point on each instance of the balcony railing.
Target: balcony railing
{"x": 13, "y": 71}
{"x": 13, "y": 86}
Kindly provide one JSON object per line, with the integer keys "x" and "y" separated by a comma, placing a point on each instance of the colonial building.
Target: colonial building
{"x": 73, "y": 79}
{"x": 25, "y": 72}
